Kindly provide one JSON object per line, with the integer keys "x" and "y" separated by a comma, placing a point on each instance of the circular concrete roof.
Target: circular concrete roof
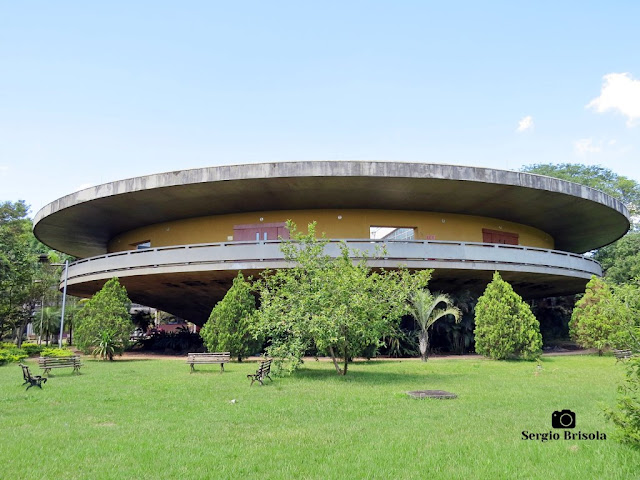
{"x": 579, "y": 218}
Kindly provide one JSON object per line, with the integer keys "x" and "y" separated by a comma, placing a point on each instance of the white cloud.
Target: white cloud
{"x": 526, "y": 123}
{"x": 620, "y": 92}
{"x": 585, "y": 146}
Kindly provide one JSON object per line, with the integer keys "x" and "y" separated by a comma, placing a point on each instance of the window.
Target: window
{"x": 142, "y": 245}
{"x": 392, "y": 233}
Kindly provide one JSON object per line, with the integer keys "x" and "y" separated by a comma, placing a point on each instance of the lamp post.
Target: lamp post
{"x": 64, "y": 300}
{"x": 43, "y": 258}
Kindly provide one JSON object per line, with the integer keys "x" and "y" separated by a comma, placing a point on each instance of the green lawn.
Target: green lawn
{"x": 151, "y": 419}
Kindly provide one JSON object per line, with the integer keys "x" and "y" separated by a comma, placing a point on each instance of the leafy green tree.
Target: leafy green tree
{"x": 603, "y": 179}
{"x": 231, "y": 324}
{"x": 336, "y": 305}
{"x": 427, "y": 308}
{"x": 626, "y": 414}
{"x": 17, "y": 267}
{"x": 105, "y": 316}
{"x": 505, "y": 326}
{"x": 621, "y": 260}
{"x": 599, "y": 319}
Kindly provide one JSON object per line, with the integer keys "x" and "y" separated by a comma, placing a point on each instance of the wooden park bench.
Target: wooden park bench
{"x": 31, "y": 379}
{"x": 622, "y": 354}
{"x": 263, "y": 371}
{"x": 47, "y": 363}
{"x": 208, "y": 358}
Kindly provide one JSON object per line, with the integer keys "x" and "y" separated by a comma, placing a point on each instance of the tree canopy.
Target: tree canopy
{"x": 336, "y": 306}
{"x": 594, "y": 176}
{"x": 621, "y": 260}
{"x": 24, "y": 281}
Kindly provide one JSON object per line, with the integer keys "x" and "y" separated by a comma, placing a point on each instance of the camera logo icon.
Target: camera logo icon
{"x": 563, "y": 419}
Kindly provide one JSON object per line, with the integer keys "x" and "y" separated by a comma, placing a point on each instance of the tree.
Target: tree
{"x": 424, "y": 308}
{"x": 603, "y": 179}
{"x": 24, "y": 282}
{"x": 505, "y": 326}
{"x": 231, "y": 324}
{"x": 621, "y": 260}
{"x": 338, "y": 306}
{"x": 626, "y": 415}
{"x": 104, "y": 321}
{"x": 47, "y": 323}
{"x": 599, "y": 319}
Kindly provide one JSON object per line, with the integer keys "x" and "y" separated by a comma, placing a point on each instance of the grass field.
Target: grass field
{"x": 151, "y": 419}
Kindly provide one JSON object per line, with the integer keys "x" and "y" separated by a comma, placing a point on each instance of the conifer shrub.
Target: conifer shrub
{"x": 505, "y": 326}
{"x": 106, "y": 313}
{"x": 230, "y": 325}
{"x": 599, "y": 319}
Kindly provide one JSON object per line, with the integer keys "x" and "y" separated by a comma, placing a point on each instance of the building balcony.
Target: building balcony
{"x": 200, "y": 274}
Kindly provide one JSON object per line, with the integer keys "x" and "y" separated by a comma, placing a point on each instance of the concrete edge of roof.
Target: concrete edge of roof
{"x": 351, "y": 168}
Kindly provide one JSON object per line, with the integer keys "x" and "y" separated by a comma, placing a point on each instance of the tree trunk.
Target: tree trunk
{"x": 335, "y": 361}
{"x": 424, "y": 345}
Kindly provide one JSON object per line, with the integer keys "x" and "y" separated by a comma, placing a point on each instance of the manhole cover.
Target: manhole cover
{"x": 431, "y": 394}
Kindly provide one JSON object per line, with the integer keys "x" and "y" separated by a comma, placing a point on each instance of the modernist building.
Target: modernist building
{"x": 177, "y": 239}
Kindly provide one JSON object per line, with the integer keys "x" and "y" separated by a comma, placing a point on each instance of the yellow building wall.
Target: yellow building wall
{"x": 334, "y": 223}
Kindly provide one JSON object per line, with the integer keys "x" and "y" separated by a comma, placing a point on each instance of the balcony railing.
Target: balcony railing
{"x": 391, "y": 253}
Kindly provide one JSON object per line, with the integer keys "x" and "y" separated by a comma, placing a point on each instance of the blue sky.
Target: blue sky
{"x": 92, "y": 92}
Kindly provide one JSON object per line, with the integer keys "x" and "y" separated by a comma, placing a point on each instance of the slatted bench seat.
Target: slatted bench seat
{"x": 622, "y": 354}
{"x": 48, "y": 363}
{"x": 263, "y": 371}
{"x": 208, "y": 358}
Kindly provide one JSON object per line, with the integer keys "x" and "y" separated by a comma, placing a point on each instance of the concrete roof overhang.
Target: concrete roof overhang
{"x": 579, "y": 218}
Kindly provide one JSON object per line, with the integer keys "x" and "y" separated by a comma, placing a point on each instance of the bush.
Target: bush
{"x": 627, "y": 414}
{"x": 32, "y": 349}
{"x": 231, "y": 323}
{"x": 11, "y": 355}
{"x": 599, "y": 319}
{"x": 505, "y": 326}
{"x": 107, "y": 311}
{"x": 56, "y": 352}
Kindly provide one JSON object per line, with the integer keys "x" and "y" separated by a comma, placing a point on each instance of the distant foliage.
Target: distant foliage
{"x": 600, "y": 319}
{"x": 31, "y": 349}
{"x": 505, "y": 326}
{"x": 9, "y": 353}
{"x": 594, "y": 176}
{"x": 180, "y": 341}
{"x": 621, "y": 260}
{"x": 106, "y": 314}
{"x": 230, "y": 326}
{"x": 56, "y": 352}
